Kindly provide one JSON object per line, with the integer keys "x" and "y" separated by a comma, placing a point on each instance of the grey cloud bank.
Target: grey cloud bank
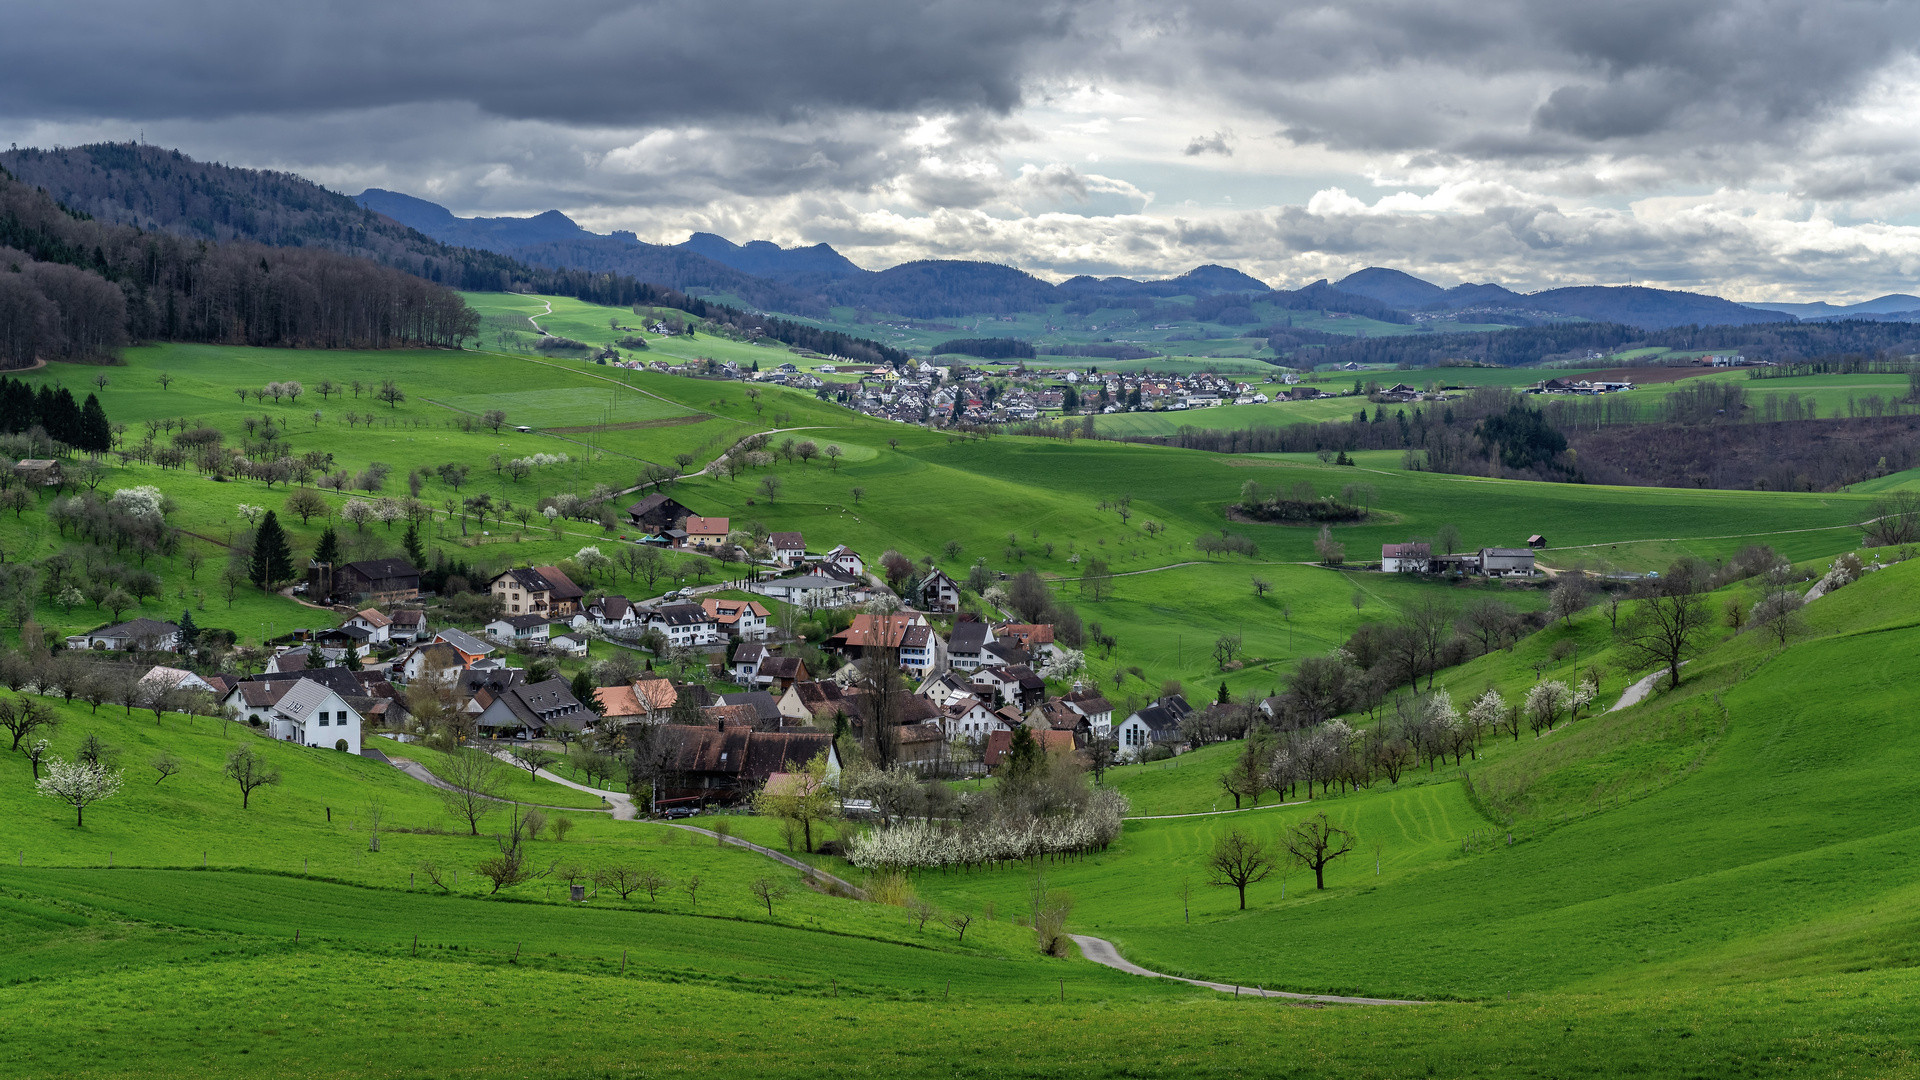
{"x": 1758, "y": 149}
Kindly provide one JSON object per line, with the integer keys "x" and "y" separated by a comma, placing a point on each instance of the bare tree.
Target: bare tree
{"x": 1316, "y": 842}
{"x": 473, "y": 792}
{"x": 248, "y": 769}
{"x": 166, "y": 765}
{"x": 511, "y": 865}
{"x": 620, "y": 877}
{"x": 1665, "y": 627}
{"x": 531, "y": 758}
{"x": 767, "y": 890}
{"x": 1239, "y": 860}
{"x": 24, "y": 716}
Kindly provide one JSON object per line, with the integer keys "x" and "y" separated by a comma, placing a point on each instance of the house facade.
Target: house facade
{"x": 536, "y": 590}
{"x": 1405, "y": 558}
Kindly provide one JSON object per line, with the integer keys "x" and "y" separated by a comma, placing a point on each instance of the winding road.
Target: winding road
{"x": 1101, "y": 951}
{"x": 1097, "y": 950}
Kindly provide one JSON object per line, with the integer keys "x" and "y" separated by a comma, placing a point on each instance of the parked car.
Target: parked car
{"x": 672, "y": 812}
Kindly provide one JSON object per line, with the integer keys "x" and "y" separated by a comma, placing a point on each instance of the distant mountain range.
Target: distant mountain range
{"x": 154, "y": 188}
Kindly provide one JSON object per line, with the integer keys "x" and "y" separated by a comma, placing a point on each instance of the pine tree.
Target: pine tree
{"x": 189, "y": 633}
{"x": 272, "y": 557}
{"x": 328, "y": 550}
{"x": 95, "y": 434}
{"x": 1224, "y": 698}
{"x": 585, "y": 692}
{"x": 352, "y": 662}
{"x": 412, "y": 544}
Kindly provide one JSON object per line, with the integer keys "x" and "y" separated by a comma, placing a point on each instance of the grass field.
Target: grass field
{"x": 1746, "y": 913}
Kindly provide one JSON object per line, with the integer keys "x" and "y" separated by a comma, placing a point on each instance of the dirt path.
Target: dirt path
{"x": 1102, "y": 951}
{"x": 811, "y": 871}
{"x": 537, "y": 328}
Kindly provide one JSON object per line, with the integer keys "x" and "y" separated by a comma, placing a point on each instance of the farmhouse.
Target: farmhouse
{"x": 542, "y": 590}
{"x": 1506, "y": 562}
{"x": 938, "y": 592}
{"x": 373, "y": 581}
{"x": 657, "y": 513}
{"x": 741, "y": 620}
{"x": 1410, "y": 558}
{"x": 705, "y": 533}
{"x": 723, "y": 765}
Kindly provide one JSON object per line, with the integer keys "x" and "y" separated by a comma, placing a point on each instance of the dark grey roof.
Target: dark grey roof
{"x": 968, "y": 637}
{"x": 765, "y": 709}
{"x": 377, "y": 569}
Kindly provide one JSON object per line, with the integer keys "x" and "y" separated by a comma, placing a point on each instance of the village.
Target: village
{"x": 735, "y": 696}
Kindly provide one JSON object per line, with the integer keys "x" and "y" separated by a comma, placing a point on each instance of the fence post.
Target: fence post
{"x": 416, "y": 944}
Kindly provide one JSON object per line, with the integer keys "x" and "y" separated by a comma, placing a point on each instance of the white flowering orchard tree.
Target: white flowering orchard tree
{"x": 79, "y": 784}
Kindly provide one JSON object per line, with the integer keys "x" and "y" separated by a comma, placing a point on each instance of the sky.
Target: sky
{"x": 1757, "y": 149}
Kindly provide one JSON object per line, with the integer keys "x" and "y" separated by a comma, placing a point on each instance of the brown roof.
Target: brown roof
{"x": 884, "y": 631}
{"x": 621, "y": 701}
{"x": 728, "y": 611}
{"x": 783, "y": 667}
{"x": 706, "y": 526}
{"x": 374, "y": 617}
{"x": 739, "y": 754}
{"x": 563, "y": 587}
{"x": 999, "y": 742}
{"x": 655, "y": 693}
{"x": 729, "y": 716}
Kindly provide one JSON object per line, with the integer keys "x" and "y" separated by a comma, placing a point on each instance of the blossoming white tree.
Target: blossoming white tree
{"x": 79, "y": 784}
{"x": 1544, "y": 702}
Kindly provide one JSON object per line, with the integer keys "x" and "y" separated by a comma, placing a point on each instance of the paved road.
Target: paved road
{"x": 1211, "y": 813}
{"x": 1638, "y": 692}
{"x": 1102, "y": 951}
{"x": 812, "y": 871}
{"x": 420, "y": 772}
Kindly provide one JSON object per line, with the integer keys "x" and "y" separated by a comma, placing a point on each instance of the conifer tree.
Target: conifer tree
{"x": 189, "y": 633}
{"x": 585, "y": 692}
{"x": 352, "y": 662}
{"x": 272, "y": 557}
{"x": 328, "y": 550}
{"x": 95, "y": 434}
{"x": 411, "y": 542}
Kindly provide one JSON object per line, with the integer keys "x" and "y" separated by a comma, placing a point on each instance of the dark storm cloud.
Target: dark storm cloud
{"x": 570, "y": 61}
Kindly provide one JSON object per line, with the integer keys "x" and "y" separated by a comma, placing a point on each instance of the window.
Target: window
{"x": 323, "y": 719}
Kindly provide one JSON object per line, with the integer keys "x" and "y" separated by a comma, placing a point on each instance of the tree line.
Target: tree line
{"x": 72, "y": 287}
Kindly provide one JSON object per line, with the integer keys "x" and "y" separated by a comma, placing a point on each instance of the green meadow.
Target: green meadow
{"x": 1715, "y": 882}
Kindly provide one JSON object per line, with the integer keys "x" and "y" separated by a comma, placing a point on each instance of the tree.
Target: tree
{"x": 1247, "y": 776}
{"x": 1239, "y": 860}
{"x": 391, "y": 394}
{"x": 307, "y": 503}
{"x": 473, "y": 777}
{"x": 1261, "y": 586}
{"x": 25, "y": 716}
{"x": 327, "y": 550}
{"x": 510, "y": 866}
{"x": 806, "y": 450}
{"x": 495, "y": 419}
{"x": 272, "y": 560}
{"x": 858, "y": 494}
{"x": 410, "y": 543}
{"x": 79, "y": 784}
{"x": 1778, "y": 615}
{"x": 1096, "y": 580}
{"x": 770, "y": 487}
{"x": 1332, "y": 552}
{"x": 531, "y": 758}
{"x": 249, "y": 770}
{"x": 1665, "y": 626}
{"x": 767, "y": 890}
{"x": 897, "y": 567}
{"x": 1544, "y": 702}
{"x": 1225, "y": 648}
{"x": 1447, "y": 538}
{"x": 833, "y": 455}
{"x": 1316, "y": 842}
{"x": 1571, "y": 595}
{"x": 621, "y": 878}
{"x": 807, "y": 796}
{"x": 165, "y": 764}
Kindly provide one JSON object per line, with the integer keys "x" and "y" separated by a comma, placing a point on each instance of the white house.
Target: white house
{"x": 1156, "y": 723}
{"x": 378, "y": 625}
{"x": 684, "y": 624}
{"x": 1405, "y": 558}
{"x": 788, "y": 547}
{"x": 967, "y": 717}
{"x": 567, "y": 645}
{"x": 409, "y": 624}
{"x": 313, "y": 715}
{"x": 742, "y": 620}
{"x": 966, "y": 648}
{"x": 614, "y": 613}
{"x": 938, "y": 592}
{"x": 807, "y": 590}
{"x": 848, "y": 560}
{"x": 520, "y": 630}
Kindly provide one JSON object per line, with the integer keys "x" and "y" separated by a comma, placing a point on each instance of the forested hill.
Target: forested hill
{"x": 74, "y": 287}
